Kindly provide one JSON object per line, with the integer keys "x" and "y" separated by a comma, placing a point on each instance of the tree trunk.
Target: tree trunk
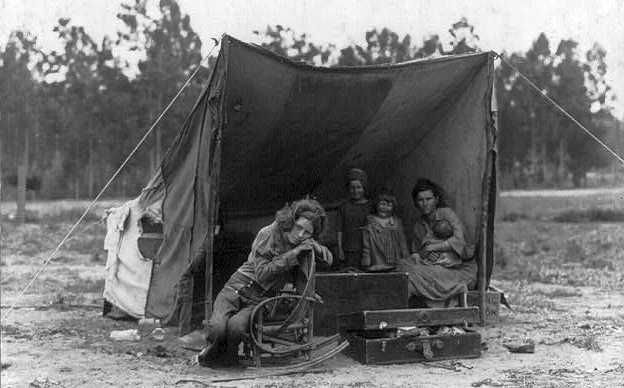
{"x": 90, "y": 169}
{"x": 22, "y": 172}
{"x": 76, "y": 173}
{"x": 533, "y": 158}
{"x": 158, "y": 131}
{"x": 37, "y": 150}
{"x": 1, "y": 153}
{"x": 21, "y": 194}
{"x": 544, "y": 173}
{"x": 578, "y": 179}
{"x": 620, "y": 151}
{"x": 561, "y": 162}
{"x": 157, "y": 156}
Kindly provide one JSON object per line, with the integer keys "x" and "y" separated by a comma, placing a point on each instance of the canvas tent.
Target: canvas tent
{"x": 267, "y": 131}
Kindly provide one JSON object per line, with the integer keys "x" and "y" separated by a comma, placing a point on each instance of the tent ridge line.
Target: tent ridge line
{"x": 340, "y": 69}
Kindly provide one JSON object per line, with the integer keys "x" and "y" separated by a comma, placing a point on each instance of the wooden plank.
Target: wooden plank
{"x": 386, "y": 319}
{"x": 350, "y": 292}
{"x": 407, "y": 349}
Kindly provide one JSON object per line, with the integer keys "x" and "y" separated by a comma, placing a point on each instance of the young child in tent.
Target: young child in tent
{"x": 351, "y": 219}
{"x": 383, "y": 237}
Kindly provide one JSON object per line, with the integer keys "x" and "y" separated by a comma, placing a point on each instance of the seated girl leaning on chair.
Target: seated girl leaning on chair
{"x": 383, "y": 238}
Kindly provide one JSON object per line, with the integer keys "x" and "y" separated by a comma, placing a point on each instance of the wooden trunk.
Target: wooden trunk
{"x": 390, "y": 336}
{"x": 412, "y": 349}
{"x": 393, "y": 319}
{"x": 351, "y": 292}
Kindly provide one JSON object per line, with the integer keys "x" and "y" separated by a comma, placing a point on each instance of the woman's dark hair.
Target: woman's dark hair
{"x": 424, "y": 184}
{"x": 307, "y": 208}
{"x": 388, "y": 196}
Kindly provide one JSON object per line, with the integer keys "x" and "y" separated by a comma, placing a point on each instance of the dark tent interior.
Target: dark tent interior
{"x": 267, "y": 131}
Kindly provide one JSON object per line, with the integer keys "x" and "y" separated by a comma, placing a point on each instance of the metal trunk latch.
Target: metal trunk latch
{"x": 427, "y": 352}
{"x": 426, "y": 347}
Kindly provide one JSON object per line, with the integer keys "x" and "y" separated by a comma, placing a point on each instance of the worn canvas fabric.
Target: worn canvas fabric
{"x": 273, "y": 131}
{"x": 127, "y": 271}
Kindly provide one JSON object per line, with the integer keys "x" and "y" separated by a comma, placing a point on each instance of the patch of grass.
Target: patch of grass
{"x": 544, "y": 204}
{"x": 589, "y": 342}
{"x": 590, "y": 215}
{"x": 80, "y": 286}
{"x": 520, "y": 378}
{"x": 6, "y": 280}
{"x": 574, "y": 252}
{"x": 525, "y": 299}
{"x": 513, "y": 217}
{"x": 88, "y": 242}
{"x": 558, "y": 292}
{"x": 63, "y": 259}
{"x": 69, "y": 215}
{"x": 16, "y": 332}
{"x": 533, "y": 270}
{"x": 599, "y": 263}
{"x": 501, "y": 256}
{"x": 568, "y": 254}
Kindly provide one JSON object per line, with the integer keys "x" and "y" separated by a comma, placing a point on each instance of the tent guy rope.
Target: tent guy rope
{"x": 109, "y": 182}
{"x": 556, "y": 105}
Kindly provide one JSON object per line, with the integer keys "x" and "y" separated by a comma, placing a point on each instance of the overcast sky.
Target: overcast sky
{"x": 501, "y": 25}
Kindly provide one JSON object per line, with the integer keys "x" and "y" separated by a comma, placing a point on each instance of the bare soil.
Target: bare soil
{"x": 565, "y": 282}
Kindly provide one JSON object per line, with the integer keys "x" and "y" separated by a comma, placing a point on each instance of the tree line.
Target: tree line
{"x": 70, "y": 117}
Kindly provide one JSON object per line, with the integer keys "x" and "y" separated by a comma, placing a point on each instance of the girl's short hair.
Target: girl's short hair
{"x": 309, "y": 209}
{"x": 387, "y": 196}
{"x": 356, "y": 174}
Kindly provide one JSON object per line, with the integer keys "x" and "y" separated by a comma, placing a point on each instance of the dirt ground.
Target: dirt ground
{"x": 565, "y": 282}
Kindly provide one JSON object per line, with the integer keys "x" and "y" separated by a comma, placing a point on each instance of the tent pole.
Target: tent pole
{"x": 215, "y": 173}
{"x": 214, "y": 211}
{"x": 483, "y": 275}
{"x": 486, "y": 237}
{"x": 489, "y": 203}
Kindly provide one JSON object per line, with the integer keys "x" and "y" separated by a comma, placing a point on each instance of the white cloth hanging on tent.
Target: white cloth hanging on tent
{"x": 128, "y": 272}
{"x": 115, "y": 224}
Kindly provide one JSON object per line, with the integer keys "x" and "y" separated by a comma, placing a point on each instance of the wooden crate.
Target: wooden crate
{"x": 375, "y": 338}
{"x": 350, "y": 292}
{"x": 492, "y": 305}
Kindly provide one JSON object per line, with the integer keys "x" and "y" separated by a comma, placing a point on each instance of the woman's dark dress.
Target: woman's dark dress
{"x": 440, "y": 281}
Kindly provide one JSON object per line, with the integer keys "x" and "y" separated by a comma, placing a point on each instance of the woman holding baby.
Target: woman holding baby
{"x": 441, "y": 264}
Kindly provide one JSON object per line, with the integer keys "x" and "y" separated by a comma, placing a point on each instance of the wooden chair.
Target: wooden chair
{"x": 276, "y": 339}
{"x": 280, "y": 328}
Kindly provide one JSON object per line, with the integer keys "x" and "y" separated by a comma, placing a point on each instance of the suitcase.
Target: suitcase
{"x": 389, "y": 336}
{"x": 351, "y": 292}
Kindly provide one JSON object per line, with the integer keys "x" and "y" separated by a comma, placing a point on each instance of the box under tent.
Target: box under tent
{"x": 267, "y": 131}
